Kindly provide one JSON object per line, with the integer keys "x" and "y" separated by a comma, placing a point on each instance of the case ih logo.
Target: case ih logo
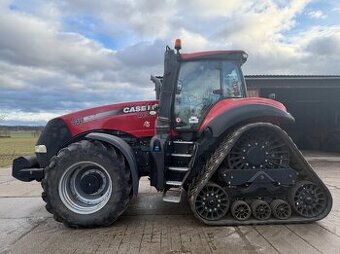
{"x": 142, "y": 108}
{"x": 133, "y": 109}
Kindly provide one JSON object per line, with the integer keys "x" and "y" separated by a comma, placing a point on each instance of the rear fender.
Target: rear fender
{"x": 245, "y": 114}
{"x": 125, "y": 149}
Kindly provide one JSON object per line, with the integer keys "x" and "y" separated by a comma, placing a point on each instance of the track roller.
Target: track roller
{"x": 212, "y": 202}
{"x": 308, "y": 199}
{"x": 280, "y": 209}
{"x": 261, "y": 210}
{"x": 240, "y": 210}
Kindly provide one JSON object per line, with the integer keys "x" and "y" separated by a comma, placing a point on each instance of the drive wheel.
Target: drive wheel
{"x": 261, "y": 210}
{"x": 86, "y": 185}
{"x": 308, "y": 199}
{"x": 212, "y": 202}
{"x": 259, "y": 148}
{"x": 240, "y": 210}
{"x": 281, "y": 209}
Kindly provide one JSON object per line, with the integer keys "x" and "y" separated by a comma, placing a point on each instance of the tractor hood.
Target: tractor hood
{"x": 136, "y": 118}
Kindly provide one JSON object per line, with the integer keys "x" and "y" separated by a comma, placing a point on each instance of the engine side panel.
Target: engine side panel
{"x": 135, "y": 118}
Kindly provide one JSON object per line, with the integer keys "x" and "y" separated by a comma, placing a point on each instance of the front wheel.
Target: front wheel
{"x": 86, "y": 185}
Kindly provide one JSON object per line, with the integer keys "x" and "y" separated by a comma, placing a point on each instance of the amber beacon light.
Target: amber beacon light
{"x": 178, "y": 44}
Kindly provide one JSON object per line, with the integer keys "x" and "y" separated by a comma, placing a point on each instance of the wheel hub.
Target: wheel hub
{"x": 85, "y": 187}
{"x": 91, "y": 183}
{"x": 212, "y": 201}
{"x": 308, "y": 200}
{"x": 256, "y": 156}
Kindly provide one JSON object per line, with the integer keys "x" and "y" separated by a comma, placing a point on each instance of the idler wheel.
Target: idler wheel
{"x": 212, "y": 203}
{"x": 240, "y": 210}
{"x": 307, "y": 199}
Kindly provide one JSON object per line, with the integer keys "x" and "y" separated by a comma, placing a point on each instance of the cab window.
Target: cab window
{"x": 200, "y": 85}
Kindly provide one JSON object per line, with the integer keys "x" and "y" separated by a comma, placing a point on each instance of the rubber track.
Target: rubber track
{"x": 300, "y": 164}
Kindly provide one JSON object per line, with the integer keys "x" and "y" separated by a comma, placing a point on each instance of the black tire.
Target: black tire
{"x": 240, "y": 210}
{"x": 93, "y": 152}
{"x": 261, "y": 210}
{"x": 280, "y": 209}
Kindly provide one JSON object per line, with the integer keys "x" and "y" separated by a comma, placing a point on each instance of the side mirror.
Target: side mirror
{"x": 158, "y": 85}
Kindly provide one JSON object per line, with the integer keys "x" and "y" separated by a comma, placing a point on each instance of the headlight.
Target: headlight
{"x": 40, "y": 149}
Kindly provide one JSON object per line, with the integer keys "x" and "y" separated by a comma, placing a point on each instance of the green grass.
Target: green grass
{"x": 20, "y": 143}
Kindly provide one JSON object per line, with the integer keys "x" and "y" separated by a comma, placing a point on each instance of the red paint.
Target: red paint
{"x": 131, "y": 123}
{"x": 187, "y": 56}
{"x": 135, "y": 123}
{"x": 228, "y": 104}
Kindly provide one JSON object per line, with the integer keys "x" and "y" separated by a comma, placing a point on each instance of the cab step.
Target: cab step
{"x": 179, "y": 169}
{"x": 174, "y": 183}
{"x": 187, "y": 155}
{"x": 173, "y": 195}
{"x": 183, "y": 142}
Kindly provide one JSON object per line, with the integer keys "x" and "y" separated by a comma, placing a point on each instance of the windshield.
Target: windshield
{"x": 201, "y": 84}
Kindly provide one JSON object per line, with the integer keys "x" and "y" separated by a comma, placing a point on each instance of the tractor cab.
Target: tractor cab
{"x": 202, "y": 83}
{"x": 191, "y": 85}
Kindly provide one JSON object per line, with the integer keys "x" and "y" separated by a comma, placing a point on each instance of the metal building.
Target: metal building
{"x": 314, "y": 101}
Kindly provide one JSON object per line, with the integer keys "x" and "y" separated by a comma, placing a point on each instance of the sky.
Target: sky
{"x": 61, "y": 56}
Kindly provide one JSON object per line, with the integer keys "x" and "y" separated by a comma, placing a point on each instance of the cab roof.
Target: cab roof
{"x": 217, "y": 54}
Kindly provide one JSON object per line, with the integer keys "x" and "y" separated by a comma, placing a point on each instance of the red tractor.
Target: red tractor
{"x": 201, "y": 135}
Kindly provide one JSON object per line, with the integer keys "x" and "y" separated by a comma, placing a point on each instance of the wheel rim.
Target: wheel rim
{"x": 261, "y": 210}
{"x": 260, "y": 148}
{"x": 241, "y": 210}
{"x": 308, "y": 199}
{"x": 281, "y": 209}
{"x": 212, "y": 202}
{"x": 85, "y": 187}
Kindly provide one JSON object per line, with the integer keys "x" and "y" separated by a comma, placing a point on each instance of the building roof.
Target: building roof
{"x": 293, "y": 81}
{"x": 292, "y": 76}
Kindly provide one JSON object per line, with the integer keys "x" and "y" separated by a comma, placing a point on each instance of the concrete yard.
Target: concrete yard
{"x": 151, "y": 226}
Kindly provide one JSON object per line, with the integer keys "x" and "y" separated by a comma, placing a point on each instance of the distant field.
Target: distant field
{"x": 19, "y": 143}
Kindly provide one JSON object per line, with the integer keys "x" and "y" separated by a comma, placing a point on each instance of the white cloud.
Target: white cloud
{"x": 31, "y": 41}
{"x": 318, "y": 14}
{"x": 50, "y": 64}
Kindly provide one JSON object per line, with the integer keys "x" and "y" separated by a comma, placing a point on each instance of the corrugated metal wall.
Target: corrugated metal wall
{"x": 314, "y": 101}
